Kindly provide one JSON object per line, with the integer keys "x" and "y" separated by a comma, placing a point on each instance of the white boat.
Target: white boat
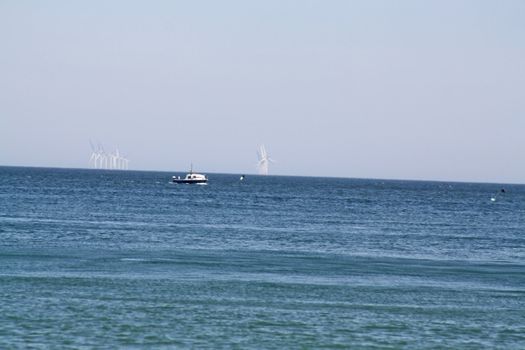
{"x": 191, "y": 178}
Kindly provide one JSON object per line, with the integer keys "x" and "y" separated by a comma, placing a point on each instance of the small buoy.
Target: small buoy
{"x": 493, "y": 199}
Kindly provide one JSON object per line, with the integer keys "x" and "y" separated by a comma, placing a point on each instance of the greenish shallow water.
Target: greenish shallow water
{"x": 100, "y": 259}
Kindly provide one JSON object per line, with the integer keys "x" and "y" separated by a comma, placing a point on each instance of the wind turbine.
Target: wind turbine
{"x": 104, "y": 157}
{"x": 118, "y": 160}
{"x": 125, "y": 163}
{"x": 94, "y": 155}
{"x": 121, "y": 161}
{"x": 115, "y": 160}
{"x": 264, "y": 160}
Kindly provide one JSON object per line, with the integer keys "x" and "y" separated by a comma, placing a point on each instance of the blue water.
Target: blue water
{"x": 112, "y": 259}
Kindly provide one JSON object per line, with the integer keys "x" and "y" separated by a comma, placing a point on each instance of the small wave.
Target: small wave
{"x": 132, "y": 259}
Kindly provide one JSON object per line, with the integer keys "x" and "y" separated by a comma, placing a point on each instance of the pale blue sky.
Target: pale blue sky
{"x": 382, "y": 89}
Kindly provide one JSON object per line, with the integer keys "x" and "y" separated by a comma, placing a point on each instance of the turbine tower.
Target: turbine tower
{"x": 94, "y": 155}
{"x": 124, "y": 163}
{"x": 264, "y": 160}
{"x": 115, "y": 160}
{"x": 104, "y": 161}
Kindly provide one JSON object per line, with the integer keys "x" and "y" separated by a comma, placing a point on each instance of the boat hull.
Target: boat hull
{"x": 190, "y": 181}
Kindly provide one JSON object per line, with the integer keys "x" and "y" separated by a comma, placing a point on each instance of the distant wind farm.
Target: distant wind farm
{"x": 100, "y": 159}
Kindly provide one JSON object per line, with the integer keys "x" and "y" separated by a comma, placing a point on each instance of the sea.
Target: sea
{"x": 100, "y": 259}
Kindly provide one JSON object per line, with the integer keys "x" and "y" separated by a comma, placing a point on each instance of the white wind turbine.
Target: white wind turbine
{"x": 115, "y": 160}
{"x": 104, "y": 157}
{"x": 119, "y": 161}
{"x": 264, "y": 160}
{"x": 122, "y": 163}
{"x": 125, "y": 163}
{"x": 94, "y": 156}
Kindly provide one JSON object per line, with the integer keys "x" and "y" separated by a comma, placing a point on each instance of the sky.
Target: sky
{"x": 427, "y": 90}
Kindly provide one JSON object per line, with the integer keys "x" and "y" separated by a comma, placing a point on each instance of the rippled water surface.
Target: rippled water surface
{"x": 112, "y": 259}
